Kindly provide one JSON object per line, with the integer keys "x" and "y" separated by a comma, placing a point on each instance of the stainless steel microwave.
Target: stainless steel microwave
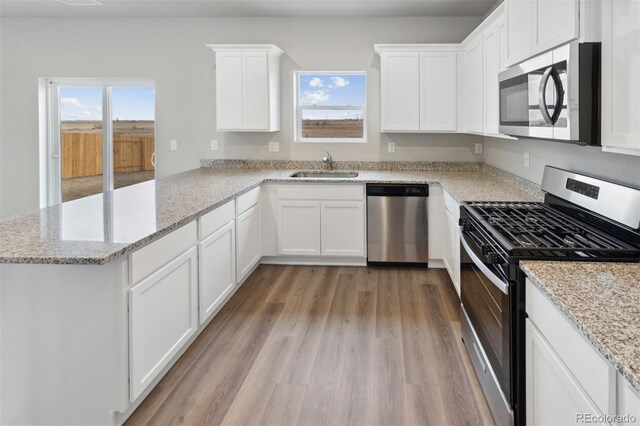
{"x": 555, "y": 95}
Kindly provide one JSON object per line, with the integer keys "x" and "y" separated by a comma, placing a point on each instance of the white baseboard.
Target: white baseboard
{"x": 436, "y": 264}
{"x": 314, "y": 260}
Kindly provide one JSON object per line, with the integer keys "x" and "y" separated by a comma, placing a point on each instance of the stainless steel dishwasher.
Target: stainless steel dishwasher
{"x": 397, "y": 220}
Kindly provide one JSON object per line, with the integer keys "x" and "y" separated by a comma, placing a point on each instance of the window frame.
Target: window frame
{"x": 297, "y": 110}
{"x": 50, "y": 163}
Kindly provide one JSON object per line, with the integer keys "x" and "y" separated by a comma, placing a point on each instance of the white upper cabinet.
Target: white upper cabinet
{"x": 438, "y": 94}
{"x": 494, "y": 39}
{"x": 535, "y": 26}
{"x": 519, "y": 28}
{"x": 247, "y": 87}
{"x": 400, "y": 91}
{"x": 555, "y": 22}
{"x": 418, "y": 88}
{"x": 621, "y": 76}
{"x": 474, "y": 84}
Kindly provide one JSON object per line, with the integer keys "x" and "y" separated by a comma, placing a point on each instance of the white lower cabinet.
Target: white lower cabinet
{"x": 342, "y": 228}
{"x": 554, "y": 396}
{"x": 451, "y": 257}
{"x": 299, "y": 228}
{"x": 217, "y": 269}
{"x": 163, "y": 315}
{"x": 628, "y": 403}
{"x": 248, "y": 242}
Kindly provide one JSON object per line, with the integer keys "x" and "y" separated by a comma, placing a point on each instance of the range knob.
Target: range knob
{"x": 492, "y": 257}
{"x": 466, "y": 226}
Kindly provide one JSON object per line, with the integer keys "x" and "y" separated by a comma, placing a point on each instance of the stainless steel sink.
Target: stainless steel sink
{"x": 325, "y": 174}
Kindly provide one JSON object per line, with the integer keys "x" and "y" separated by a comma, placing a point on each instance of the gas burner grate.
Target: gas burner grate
{"x": 538, "y": 227}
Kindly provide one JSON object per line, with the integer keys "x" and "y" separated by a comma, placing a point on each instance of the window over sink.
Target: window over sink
{"x": 330, "y": 106}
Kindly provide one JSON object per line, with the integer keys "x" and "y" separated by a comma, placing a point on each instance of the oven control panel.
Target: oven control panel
{"x": 586, "y": 189}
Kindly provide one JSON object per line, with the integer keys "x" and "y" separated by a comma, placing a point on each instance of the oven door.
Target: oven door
{"x": 534, "y": 97}
{"x": 486, "y": 322}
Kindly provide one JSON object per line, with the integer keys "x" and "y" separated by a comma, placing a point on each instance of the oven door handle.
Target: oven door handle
{"x": 502, "y": 286}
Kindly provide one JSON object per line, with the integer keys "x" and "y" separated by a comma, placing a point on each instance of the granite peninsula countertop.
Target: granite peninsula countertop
{"x": 97, "y": 229}
{"x": 602, "y": 300}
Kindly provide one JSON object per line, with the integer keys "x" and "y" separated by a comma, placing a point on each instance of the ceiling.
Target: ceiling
{"x": 244, "y": 8}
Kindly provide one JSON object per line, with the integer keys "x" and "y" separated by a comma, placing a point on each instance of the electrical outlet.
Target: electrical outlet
{"x": 478, "y": 148}
{"x": 274, "y": 146}
{"x": 526, "y": 159}
{"x": 173, "y": 145}
{"x": 391, "y": 147}
{"x": 214, "y": 145}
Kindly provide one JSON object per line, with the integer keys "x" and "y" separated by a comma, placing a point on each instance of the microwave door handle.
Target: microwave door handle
{"x": 550, "y": 72}
{"x": 500, "y": 284}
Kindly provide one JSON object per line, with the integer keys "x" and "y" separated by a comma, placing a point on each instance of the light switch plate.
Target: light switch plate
{"x": 478, "y": 148}
{"x": 391, "y": 147}
{"x": 526, "y": 159}
{"x": 214, "y": 145}
{"x": 173, "y": 145}
{"x": 274, "y": 146}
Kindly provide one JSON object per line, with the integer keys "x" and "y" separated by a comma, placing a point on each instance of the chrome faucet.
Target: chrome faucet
{"x": 328, "y": 159}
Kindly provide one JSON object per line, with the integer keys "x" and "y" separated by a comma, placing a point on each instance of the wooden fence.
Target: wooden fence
{"x": 82, "y": 154}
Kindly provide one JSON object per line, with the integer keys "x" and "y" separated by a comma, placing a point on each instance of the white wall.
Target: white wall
{"x": 172, "y": 52}
{"x": 509, "y": 155}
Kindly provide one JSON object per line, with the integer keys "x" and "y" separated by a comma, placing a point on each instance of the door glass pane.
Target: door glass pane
{"x": 80, "y": 111}
{"x": 133, "y": 115}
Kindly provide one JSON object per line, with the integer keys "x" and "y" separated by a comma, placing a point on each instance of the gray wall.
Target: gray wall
{"x": 171, "y": 51}
{"x": 509, "y": 155}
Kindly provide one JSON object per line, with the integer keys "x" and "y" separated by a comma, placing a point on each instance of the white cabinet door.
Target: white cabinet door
{"x": 299, "y": 228}
{"x": 553, "y": 395}
{"x": 163, "y": 314}
{"x": 217, "y": 268}
{"x": 519, "y": 29}
{"x": 628, "y": 402}
{"x": 491, "y": 69}
{"x": 248, "y": 242}
{"x": 229, "y": 91}
{"x": 438, "y": 102}
{"x": 555, "y": 22}
{"x": 474, "y": 86}
{"x": 255, "y": 74}
{"x": 400, "y": 91}
{"x": 342, "y": 227}
{"x": 621, "y": 76}
{"x": 452, "y": 249}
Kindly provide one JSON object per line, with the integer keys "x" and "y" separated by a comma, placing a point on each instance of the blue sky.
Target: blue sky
{"x": 332, "y": 89}
{"x": 127, "y": 103}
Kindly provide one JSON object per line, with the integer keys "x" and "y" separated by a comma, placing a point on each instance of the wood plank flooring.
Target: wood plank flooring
{"x": 322, "y": 345}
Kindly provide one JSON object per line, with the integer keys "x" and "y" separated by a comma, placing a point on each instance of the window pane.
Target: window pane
{"x": 133, "y": 115}
{"x": 332, "y": 124}
{"x": 80, "y": 141}
{"x": 331, "y": 89}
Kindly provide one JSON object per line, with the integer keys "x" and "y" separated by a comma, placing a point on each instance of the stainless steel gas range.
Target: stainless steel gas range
{"x": 581, "y": 218}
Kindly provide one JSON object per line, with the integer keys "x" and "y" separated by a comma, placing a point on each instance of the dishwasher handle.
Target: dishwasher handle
{"x": 397, "y": 190}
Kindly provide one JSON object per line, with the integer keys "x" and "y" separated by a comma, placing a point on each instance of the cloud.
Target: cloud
{"x": 339, "y": 81}
{"x": 312, "y": 98}
{"x": 72, "y": 102}
{"x": 80, "y": 116}
{"x": 98, "y": 108}
{"x": 315, "y": 82}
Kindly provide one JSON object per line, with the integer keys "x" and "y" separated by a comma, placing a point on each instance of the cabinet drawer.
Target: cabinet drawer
{"x": 311, "y": 191}
{"x": 157, "y": 254}
{"x": 451, "y": 205}
{"x": 247, "y": 200}
{"x": 216, "y": 219}
{"x": 595, "y": 374}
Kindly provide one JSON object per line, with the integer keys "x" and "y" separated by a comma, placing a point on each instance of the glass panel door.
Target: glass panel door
{"x": 133, "y": 128}
{"x": 81, "y": 134}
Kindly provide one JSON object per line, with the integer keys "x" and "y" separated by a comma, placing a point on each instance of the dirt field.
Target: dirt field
{"x": 332, "y": 128}
{"x": 120, "y": 127}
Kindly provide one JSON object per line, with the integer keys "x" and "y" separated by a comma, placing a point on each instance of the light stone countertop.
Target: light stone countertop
{"x": 97, "y": 229}
{"x": 602, "y": 300}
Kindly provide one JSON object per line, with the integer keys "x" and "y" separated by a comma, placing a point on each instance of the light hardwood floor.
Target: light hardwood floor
{"x": 326, "y": 346}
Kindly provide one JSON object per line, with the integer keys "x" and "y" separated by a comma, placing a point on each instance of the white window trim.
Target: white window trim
{"x": 51, "y": 186}
{"x": 297, "y": 110}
